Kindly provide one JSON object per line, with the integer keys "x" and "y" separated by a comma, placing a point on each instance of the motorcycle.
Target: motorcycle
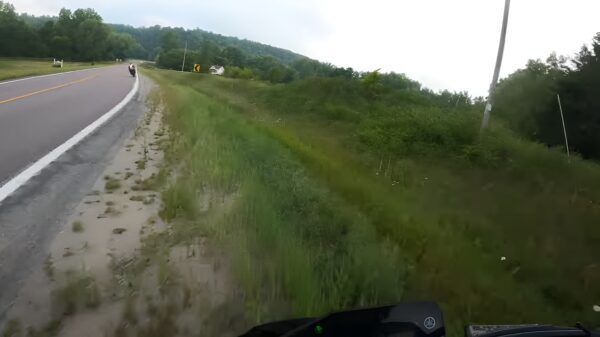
{"x": 419, "y": 319}
{"x": 132, "y": 70}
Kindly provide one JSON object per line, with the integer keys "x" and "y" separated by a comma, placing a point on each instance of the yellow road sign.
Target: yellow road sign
{"x": 196, "y": 68}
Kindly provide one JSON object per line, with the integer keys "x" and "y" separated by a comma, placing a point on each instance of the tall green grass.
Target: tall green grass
{"x": 293, "y": 244}
{"x": 396, "y": 183}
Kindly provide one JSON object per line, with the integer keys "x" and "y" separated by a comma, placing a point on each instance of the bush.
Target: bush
{"x": 237, "y": 72}
{"x": 281, "y": 74}
{"x": 416, "y": 130}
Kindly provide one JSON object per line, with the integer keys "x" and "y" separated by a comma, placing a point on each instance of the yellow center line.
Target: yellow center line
{"x": 47, "y": 89}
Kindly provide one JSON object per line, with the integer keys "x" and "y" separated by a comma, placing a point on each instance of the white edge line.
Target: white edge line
{"x": 22, "y": 178}
{"x": 48, "y": 75}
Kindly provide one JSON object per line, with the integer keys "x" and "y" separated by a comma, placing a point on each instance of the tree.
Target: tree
{"x": 60, "y": 47}
{"x": 232, "y": 56}
{"x": 527, "y": 100}
{"x": 263, "y": 65}
{"x": 525, "y": 97}
{"x": 281, "y": 74}
{"x": 209, "y": 51}
{"x": 399, "y": 82}
{"x": 16, "y": 38}
{"x": 170, "y": 40}
{"x": 90, "y": 40}
{"x": 371, "y": 83}
{"x": 579, "y": 95}
{"x": 122, "y": 45}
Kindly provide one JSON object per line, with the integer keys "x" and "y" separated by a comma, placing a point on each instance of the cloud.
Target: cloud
{"x": 444, "y": 44}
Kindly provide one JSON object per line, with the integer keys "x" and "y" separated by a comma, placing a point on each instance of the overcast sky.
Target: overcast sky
{"x": 444, "y": 44}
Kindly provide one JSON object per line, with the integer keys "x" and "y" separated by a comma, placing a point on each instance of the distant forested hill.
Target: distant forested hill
{"x": 150, "y": 38}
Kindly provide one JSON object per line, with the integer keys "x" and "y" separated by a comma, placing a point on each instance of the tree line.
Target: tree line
{"x": 77, "y": 35}
{"x": 527, "y": 100}
{"x": 151, "y": 40}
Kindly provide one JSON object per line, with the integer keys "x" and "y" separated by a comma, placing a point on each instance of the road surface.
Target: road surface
{"x": 38, "y": 114}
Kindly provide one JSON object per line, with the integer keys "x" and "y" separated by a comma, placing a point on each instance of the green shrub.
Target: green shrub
{"x": 420, "y": 131}
{"x": 237, "y": 72}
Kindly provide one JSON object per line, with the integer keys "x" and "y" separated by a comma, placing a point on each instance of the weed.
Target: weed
{"x": 162, "y": 323}
{"x": 112, "y": 184}
{"x": 109, "y": 203}
{"x": 13, "y": 328}
{"x": 148, "y": 201}
{"x": 80, "y": 291}
{"x": 121, "y": 330}
{"x": 119, "y": 231}
{"x": 187, "y": 297}
{"x": 129, "y": 310}
{"x": 77, "y": 227}
{"x": 139, "y": 198}
{"x": 111, "y": 211}
{"x": 68, "y": 252}
{"x": 49, "y": 267}
{"x": 147, "y": 184}
{"x": 51, "y": 329}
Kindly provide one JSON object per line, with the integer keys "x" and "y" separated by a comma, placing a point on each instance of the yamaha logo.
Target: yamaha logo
{"x": 429, "y": 323}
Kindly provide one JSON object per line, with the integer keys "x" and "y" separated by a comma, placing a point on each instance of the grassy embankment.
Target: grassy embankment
{"x": 325, "y": 197}
{"x": 16, "y": 68}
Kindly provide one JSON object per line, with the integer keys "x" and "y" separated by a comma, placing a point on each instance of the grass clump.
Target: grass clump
{"x": 50, "y": 329}
{"x": 139, "y": 198}
{"x": 149, "y": 184}
{"x": 111, "y": 184}
{"x": 110, "y": 210}
{"x": 13, "y": 328}
{"x": 77, "y": 227}
{"x": 49, "y": 267}
{"x": 129, "y": 310}
{"x": 80, "y": 291}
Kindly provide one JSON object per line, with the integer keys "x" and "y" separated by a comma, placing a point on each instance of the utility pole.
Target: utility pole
{"x": 184, "y": 53}
{"x": 562, "y": 117}
{"x": 490, "y": 99}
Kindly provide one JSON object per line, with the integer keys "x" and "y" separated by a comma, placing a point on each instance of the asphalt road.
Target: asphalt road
{"x": 40, "y": 113}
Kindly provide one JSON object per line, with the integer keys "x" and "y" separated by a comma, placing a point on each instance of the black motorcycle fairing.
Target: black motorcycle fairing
{"x": 419, "y": 319}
